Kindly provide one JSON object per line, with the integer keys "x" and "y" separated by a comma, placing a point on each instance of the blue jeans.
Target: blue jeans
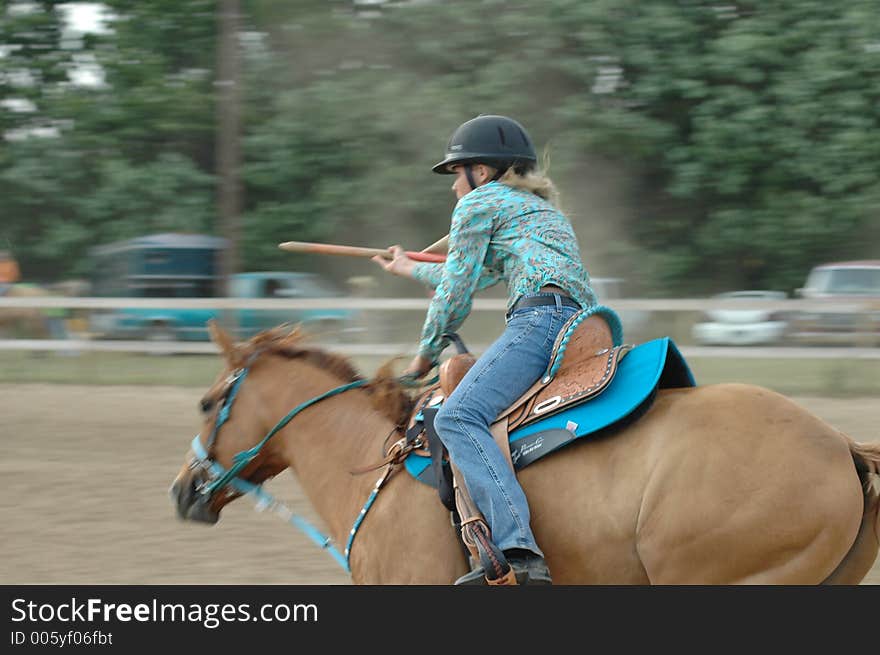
{"x": 502, "y": 374}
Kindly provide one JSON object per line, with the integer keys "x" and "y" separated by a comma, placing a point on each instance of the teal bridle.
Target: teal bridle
{"x": 220, "y": 478}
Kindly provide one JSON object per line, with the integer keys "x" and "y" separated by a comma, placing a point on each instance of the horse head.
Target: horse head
{"x": 224, "y": 433}
{"x": 264, "y": 384}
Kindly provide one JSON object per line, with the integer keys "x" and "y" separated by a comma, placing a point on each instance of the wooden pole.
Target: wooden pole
{"x": 229, "y": 201}
{"x": 355, "y": 251}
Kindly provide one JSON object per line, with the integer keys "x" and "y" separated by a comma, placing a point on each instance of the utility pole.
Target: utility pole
{"x": 228, "y": 86}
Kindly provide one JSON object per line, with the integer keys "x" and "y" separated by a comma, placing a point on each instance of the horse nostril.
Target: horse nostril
{"x": 183, "y": 494}
{"x": 206, "y": 405}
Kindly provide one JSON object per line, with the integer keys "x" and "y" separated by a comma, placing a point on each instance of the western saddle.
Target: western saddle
{"x": 583, "y": 363}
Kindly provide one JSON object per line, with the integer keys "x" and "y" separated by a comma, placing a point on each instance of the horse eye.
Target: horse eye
{"x": 206, "y": 404}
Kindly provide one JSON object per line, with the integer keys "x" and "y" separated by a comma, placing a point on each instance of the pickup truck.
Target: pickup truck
{"x": 850, "y": 281}
{"x": 190, "y": 324}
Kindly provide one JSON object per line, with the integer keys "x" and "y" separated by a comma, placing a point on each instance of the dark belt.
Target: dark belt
{"x": 537, "y": 301}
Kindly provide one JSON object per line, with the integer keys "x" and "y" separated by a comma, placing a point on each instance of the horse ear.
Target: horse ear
{"x": 224, "y": 342}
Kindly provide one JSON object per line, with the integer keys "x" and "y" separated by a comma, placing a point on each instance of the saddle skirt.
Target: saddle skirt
{"x": 619, "y": 385}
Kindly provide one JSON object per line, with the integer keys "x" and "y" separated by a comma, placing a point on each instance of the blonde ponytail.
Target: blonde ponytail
{"x": 535, "y": 181}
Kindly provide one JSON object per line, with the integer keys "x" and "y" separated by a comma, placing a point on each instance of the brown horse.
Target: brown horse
{"x": 717, "y": 484}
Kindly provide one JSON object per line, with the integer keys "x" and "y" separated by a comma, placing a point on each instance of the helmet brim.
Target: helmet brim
{"x": 442, "y": 167}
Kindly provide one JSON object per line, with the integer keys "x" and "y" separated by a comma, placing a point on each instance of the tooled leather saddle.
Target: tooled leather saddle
{"x": 584, "y": 360}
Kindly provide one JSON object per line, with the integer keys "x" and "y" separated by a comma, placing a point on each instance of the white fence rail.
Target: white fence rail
{"x": 406, "y": 304}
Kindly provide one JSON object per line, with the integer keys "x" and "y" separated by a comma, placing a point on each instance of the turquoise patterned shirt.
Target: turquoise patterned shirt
{"x": 503, "y": 233}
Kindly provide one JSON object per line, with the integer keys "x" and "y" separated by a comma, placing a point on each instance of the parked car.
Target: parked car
{"x": 185, "y": 266}
{"x": 191, "y": 324}
{"x": 850, "y": 280}
{"x": 742, "y": 327}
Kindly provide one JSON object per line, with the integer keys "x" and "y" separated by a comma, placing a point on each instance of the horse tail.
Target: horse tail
{"x": 866, "y": 457}
{"x": 860, "y": 558}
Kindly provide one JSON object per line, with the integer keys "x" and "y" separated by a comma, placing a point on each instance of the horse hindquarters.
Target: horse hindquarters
{"x": 749, "y": 488}
{"x": 720, "y": 484}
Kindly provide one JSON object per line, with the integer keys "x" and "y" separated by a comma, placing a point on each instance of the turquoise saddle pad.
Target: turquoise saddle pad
{"x": 653, "y": 365}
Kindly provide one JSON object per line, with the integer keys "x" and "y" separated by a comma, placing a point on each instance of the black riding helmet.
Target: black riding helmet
{"x": 497, "y": 141}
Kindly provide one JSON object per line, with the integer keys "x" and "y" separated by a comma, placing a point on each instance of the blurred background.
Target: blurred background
{"x": 720, "y": 163}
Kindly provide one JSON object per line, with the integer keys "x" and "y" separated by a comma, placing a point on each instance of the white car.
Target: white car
{"x": 742, "y": 327}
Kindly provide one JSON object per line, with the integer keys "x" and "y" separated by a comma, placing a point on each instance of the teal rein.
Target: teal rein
{"x": 266, "y": 500}
{"x": 243, "y": 458}
{"x": 221, "y": 477}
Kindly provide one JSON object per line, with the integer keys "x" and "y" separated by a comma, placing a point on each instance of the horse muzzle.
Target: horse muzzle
{"x": 190, "y": 503}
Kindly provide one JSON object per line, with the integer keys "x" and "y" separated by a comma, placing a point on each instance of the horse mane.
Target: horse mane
{"x": 387, "y": 395}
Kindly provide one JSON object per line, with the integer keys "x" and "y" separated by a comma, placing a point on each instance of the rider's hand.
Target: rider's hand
{"x": 418, "y": 367}
{"x": 399, "y": 264}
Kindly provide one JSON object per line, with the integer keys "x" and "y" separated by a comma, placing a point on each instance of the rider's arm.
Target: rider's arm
{"x": 469, "y": 237}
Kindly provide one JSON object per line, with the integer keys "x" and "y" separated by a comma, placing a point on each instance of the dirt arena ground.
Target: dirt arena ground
{"x": 86, "y": 472}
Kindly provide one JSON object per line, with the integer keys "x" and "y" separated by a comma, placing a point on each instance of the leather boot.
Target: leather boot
{"x": 528, "y": 567}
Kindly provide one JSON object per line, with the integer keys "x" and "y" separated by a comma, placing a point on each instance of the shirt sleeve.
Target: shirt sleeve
{"x": 430, "y": 275}
{"x": 469, "y": 237}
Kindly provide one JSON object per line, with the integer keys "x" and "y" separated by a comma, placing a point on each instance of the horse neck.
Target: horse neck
{"x": 323, "y": 444}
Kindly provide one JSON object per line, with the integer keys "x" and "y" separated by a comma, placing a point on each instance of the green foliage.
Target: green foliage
{"x": 32, "y": 65}
{"x": 166, "y": 195}
{"x": 762, "y": 123}
{"x": 698, "y": 146}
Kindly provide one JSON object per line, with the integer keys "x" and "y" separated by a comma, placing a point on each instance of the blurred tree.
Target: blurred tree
{"x": 757, "y": 129}
{"x": 698, "y": 146}
{"x": 39, "y": 222}
{"x": 34, "y": 65}
{"x": 131, "y": 152}
{"x": 748, "y": 132}
{"x": 36, "y": 56}
{"x": 159, "y": 65}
